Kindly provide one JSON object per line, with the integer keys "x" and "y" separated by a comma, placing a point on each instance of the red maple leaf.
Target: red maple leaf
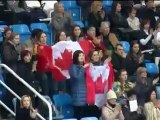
{"x": 66, "y": 60}
{"x": 99, "y": 85}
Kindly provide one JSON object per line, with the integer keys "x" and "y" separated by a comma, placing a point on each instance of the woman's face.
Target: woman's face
{"x": 60, "y": 8}
{"x": 77, "y": 31}
{"x": 16, "y": 39}
{"x": 8, "y": 34}
{"x": 81, "y": 58}
{"x": 26, "y": 102}
{"x": 144, "y": 74}
{"x": 62, "y": 36}
{"x": 105, "y": 29}
{"x": 135, "y": 48}
{"x": 43, "y": 38}
{"x": 92, "y": 32}
{"x": 153, "y": 95}
{"x": 118, "y": 8}
{"x": 146, "y": 26}
{"x": 27, "y": 58}
{"x": 95, "y": 56}
{"x": 133, "y": 13}
{"x": 99, "y": 7}
{"x": 123, "y": 76}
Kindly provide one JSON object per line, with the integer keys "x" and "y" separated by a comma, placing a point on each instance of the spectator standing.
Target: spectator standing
{"x": 78, "y": 83}
{"x": 10, "y": 57}
{"x": 96, "y": 16}
{"x": 61, "y": 20}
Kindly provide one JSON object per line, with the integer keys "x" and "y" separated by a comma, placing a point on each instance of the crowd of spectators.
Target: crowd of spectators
{"x": 132, "y": 21}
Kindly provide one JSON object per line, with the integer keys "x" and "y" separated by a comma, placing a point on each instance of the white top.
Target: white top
{"x": 133, "y": 23}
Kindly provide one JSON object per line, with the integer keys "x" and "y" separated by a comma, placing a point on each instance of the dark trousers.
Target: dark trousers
{"x": 86, "y": 111}
{"x": 46, "y": 82}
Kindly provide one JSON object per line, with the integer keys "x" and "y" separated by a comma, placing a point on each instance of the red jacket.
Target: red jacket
{"x": 44, "y": 58}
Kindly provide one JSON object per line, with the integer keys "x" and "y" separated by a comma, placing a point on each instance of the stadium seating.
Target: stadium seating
{"x": 2, "y": 89}
{"x": 1, "y": 31}
{"x": 23, "y": 31}
{"x": 126, "y": 46}
{"x": 63, "y": 102}
{"x": 70, "y": 119}
{"x": 89, "y": 118}
{"x": 2, "y": 22}
{"x": 152, "y": 69}
{"x": 44, "y": 27}
{"x": 75, "y": 13}
{"x": 107, "y": 4}
{"x": 79, "y": 23}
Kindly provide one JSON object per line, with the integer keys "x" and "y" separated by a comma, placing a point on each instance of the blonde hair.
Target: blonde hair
{"x": 94, "y": 6}
{"x": 22, "y": 99}
{"x": 140, "y": 70}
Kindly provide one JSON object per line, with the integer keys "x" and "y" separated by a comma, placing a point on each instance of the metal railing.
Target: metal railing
{"x": 28, "y": 86}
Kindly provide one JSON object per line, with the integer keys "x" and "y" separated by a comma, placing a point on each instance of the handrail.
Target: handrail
{"x": 32, "y": 89}
{"x": 17, "y": 96}
{"x": 5, "y": 106}
{"x": 9, "y": 89}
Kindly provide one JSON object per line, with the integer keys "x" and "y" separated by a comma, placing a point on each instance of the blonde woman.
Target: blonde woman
{"x": 26, "y": 111}
{"x": 96, "y": 15}
{"x": 152, "y": 106}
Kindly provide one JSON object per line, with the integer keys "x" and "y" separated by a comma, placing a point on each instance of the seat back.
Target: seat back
{"x": 14, "y": 101}
{"x": 23, "y": 31}
{"x": 63, "y": 102}
{"x": 2, "y": 89}
{"x": 152, "y": 69}
{"x": 126, "y": 46}
{"x": 89, "y": 118}
{"x": 2, "y": 27}
{"x": 79, "y": 23}
{"x": 20, "y": 28}
{"x": 42, "y": 26}
{"x": 75, "y": 13}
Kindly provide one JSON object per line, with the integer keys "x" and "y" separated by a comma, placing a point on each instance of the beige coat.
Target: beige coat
{"x": 109, "y": 113}
{"x": 151, "y": 112}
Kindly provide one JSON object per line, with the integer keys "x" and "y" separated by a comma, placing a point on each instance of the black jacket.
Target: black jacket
{"x": 23, "y": 114}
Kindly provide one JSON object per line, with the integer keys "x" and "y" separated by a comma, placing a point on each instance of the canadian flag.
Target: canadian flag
{"x": 99, "y": 79}
{"x": 62, "y": 53}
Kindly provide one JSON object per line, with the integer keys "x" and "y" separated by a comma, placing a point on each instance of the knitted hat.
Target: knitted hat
{"x": 111, "y": 95}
